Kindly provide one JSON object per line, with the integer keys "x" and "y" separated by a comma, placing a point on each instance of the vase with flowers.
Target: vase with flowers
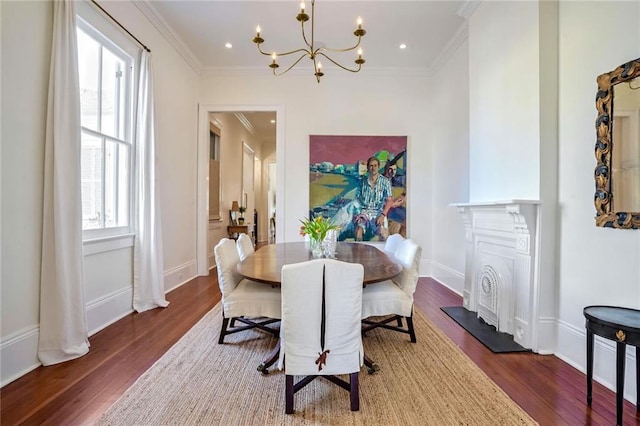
{"x": 316, "y": 229}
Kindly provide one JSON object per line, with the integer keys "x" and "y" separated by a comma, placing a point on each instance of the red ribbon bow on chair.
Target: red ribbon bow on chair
{"x": 322, "y": 359}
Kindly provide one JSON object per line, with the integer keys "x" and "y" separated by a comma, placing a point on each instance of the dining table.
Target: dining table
{"x": 265, "y": 266}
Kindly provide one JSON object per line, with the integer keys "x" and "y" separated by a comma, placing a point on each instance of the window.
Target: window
{"x": 106, "y": 89}
{"x": 214, "y": 172}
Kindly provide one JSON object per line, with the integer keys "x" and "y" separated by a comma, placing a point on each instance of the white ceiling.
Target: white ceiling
{"x": 203, "y": 27}
{"x": 199, "y": 30}
{"x": 257, "y": 123}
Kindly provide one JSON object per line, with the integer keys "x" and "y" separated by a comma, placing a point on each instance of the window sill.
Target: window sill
{"x": 104, "y": 244}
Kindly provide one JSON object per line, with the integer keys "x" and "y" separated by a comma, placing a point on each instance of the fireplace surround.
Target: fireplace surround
{"x": 501, "y": 277}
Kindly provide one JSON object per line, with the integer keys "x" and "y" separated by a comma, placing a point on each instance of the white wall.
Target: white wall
{"x": 26, "y": 44}
{"x": 504, "y": 101}
{"x": 448, "y": 106}
{"x": 342, "y": 104}
{"x": 598, "y": 265}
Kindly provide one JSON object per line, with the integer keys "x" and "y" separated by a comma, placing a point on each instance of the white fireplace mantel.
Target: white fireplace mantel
{"x": 501, "y": 265}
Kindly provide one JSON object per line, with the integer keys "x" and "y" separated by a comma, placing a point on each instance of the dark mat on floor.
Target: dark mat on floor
{"x": 487, "y": 334}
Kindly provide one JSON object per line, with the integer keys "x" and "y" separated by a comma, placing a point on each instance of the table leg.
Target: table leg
{"x": 270, "y": 360}
{"x": 620, "y": 358}
{"x": 372, "y": 367}
{"x": 589, "y": 366}
{"x": 637, "y": 379}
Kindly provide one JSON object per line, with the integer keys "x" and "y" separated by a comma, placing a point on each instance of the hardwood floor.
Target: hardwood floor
{"x": 79, "y": 391}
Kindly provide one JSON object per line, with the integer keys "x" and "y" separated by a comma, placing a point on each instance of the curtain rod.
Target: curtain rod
{"x": 121, "y": 26}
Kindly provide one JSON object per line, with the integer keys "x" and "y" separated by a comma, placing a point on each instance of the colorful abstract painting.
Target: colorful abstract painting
{"x": 360, "y": 183}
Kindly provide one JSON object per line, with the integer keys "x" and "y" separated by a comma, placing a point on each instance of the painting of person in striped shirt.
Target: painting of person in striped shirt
{"x": 373, "y": 192}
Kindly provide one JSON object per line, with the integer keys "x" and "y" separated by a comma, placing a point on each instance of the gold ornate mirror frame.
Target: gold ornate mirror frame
{"x": 605, "y": 216}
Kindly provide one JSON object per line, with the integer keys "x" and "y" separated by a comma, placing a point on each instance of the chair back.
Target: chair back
{"x": 408, "y": 254}
{"x": 320, "y": 329}
{"x": 245, "y": 246}
{"x": 392, "y": 243}
{"x": 227, "y": 259}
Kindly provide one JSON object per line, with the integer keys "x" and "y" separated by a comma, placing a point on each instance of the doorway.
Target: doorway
{"x": 262, "y": 196}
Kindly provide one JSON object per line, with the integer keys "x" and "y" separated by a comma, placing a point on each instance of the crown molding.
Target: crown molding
{"x": 468, "y": 8}
{"x": 450, "y": 48}
{"x": 245, "y": 122}
{"x": 165, "y": 30}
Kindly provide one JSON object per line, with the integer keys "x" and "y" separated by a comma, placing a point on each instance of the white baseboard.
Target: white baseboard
{"x": 181, "y": 274}
{"x": 19, "y": 354}
{"x": 446, "y": 276}
{"x": 108, "y": 309}
{"x": 546, "y": 336}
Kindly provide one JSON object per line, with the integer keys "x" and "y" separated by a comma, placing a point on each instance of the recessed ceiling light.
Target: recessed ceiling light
{"x": 403, "y": 46}
{"x": 228, "y": 45}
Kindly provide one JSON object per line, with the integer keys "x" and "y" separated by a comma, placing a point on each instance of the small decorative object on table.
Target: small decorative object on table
{"x": 241, "y": 209}
{"x": 317, "y": 229}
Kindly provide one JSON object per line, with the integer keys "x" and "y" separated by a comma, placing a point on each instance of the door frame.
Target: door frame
{"x": 202, "y": 184}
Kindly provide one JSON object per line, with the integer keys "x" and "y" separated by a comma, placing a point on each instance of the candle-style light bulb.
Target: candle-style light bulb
{"x": 301, "y": 7}
{"x": 360, "y": 53}
{"x": 319, "y": 66}
{"x": 359, "y": 22}
{"x": 274, "y": 57}
{"x": 258, "y": 30}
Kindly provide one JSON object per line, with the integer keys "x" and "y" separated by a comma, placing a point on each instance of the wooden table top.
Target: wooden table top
{"x": 265, "y": 264}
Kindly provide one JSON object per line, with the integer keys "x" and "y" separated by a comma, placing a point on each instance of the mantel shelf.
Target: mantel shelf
{"x": 494, "y": 203}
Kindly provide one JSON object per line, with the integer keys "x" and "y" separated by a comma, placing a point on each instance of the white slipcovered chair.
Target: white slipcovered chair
{"x": 245, "y": 246}
{"x": 320, "y": 330}
{"x": 251, "y": 303}
{"x": 392, "y": 244}
{"x": 393, "y": 299}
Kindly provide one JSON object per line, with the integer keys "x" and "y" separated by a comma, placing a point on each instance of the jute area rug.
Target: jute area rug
{"x": 199, "y": 381}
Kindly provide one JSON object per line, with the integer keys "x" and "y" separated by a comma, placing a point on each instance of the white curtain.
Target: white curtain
{"x": 148, "y": 279}
{"x": 63, "y": 324}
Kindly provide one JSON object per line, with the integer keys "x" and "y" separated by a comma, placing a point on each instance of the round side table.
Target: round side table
{"x": 623, "y": 326}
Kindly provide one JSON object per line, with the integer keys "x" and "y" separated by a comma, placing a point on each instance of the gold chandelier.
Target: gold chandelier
{"x": 312, "y": 51}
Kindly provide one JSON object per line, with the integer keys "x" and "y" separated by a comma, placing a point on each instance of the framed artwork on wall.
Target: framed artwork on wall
{"x": 359, "y": 182}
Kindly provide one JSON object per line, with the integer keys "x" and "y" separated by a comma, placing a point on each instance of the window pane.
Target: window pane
{"x": 112, "y": 85}
{"x": 106, "y": 99}
{"x": 116, "y": 184}
{"x": 91, "y": 182}
{"x": 88, "y": 60}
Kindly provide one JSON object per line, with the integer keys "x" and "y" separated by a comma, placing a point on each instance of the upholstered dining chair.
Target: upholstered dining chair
{"x": 320, "y": 330}
{"x": 392, "y": 243}
{"x": 245, "y": 246}
{"x": 392, "y": 300}
{"x": 251, "y": 303}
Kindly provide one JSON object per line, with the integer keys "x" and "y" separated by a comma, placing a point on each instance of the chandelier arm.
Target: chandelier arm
{"x": 304, "y": 36}
{"x": 341, "y": 66}
{"x": 306, "y": 52}
{"x": 328, "y": 49}
{"x": 292, "y": 65}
